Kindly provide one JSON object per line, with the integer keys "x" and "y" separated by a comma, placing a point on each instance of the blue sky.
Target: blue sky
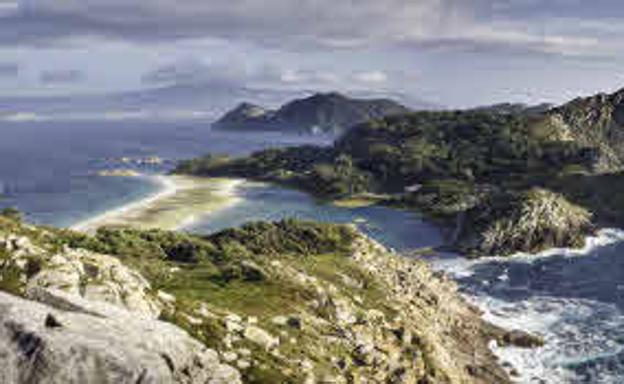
{"x": 455, "y": 53}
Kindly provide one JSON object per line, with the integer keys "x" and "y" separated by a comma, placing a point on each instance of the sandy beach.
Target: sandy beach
{"x": 180, "y": 201}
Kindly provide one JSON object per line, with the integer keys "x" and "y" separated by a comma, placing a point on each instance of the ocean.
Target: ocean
{"x": 49, "y": 170}
{"x": 575, "y": 299}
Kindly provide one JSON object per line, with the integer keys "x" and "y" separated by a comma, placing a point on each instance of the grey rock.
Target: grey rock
{"x": 80, "y": 341}
{"x": 261, "y": 337}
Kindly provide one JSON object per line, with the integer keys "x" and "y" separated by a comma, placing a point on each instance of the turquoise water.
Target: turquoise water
{"x": 48, "y": 170}
{"x": 397, "y": 229}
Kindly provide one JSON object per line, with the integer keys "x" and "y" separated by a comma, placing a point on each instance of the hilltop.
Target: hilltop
{"x": 134, "y": 306}
{"x": 322, "y": 112}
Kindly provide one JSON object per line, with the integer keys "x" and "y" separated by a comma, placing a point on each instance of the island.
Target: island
{"x": 319, "y": 113}
{"x": 500, "y": 183}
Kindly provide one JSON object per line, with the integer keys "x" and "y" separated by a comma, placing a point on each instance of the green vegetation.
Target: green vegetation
{"x": 474, "y": 147}
{"x": 440, "y": 163}
{"x": 221, "y": 256}
{"x": 230, "y": 270}
{"x": 390, "y": 154}
{"x": 12, "y": 213}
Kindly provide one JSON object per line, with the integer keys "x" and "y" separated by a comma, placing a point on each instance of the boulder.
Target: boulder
{"x": 81, "y": 273}
{"x": 78, "y": 341}
{"x": 260, "y": 337}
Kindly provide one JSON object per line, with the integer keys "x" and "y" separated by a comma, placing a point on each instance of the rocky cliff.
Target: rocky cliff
{"x": 284, "y": 302}
{"x": 530, "y": 221}
{"x": 86, "y": 318}
{"x": 596, "y": 121}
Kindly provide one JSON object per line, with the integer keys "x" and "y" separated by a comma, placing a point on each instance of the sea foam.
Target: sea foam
{"x": 583, "y": 337}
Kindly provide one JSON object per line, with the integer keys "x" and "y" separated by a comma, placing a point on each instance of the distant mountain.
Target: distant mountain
{"x": 322, "y": 112}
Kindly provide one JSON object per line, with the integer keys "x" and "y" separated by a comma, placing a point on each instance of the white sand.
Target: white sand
{"x": 180, "y": 201}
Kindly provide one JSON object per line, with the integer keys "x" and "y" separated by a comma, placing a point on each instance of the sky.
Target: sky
{"x": 452, "y": 53}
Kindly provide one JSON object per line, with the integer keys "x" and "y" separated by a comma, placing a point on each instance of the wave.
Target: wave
{"x": 603, "y": 238}
{"x": 583, "y": 330}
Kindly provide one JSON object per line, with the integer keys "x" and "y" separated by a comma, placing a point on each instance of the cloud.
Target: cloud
{"x": 8, "y": 7}
{"x": 9, "y": 70}
{"x": 242, "y": 75}
{"x": 441, "y": 24}
{"x": 62, "y": 76}
{"x": 195, "y": 71}
{"x": 371, "y": 77}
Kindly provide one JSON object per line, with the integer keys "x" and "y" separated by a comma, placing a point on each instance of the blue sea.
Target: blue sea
{"x": 49, "y": 170}
{"x": 575, "y": 299}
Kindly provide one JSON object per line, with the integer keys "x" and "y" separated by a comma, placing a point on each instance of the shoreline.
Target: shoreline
{"x": 167, "y": 187}
{"x": 178, "y": 202}
{"x": 528, "y": 314}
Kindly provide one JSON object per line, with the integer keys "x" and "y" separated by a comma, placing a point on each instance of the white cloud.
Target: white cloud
{"x": 8, "y": 7}
{"x": 288, "y": 24}
{"x": 372, "y": 77}
{"x": 195, "y": 71}
{"x": 62, "y": 76}
{"x": 9, "y": 69}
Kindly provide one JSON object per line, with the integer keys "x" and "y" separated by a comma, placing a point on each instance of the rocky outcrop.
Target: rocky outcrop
{"x": 596, "y": 121}
{"x": 380, "y": 318}
{"x": 79, "y": 272}
{"x": 271, "y": 302}
{"x": 530, "y": 221}
{"x": 431, "y": 314}
{"x": 97, "y": 343}
{"x": 87, "y": 318}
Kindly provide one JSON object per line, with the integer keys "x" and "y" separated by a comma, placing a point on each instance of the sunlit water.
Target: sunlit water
{"x": 574, "y": 299}
{"x": 49, "y": 170}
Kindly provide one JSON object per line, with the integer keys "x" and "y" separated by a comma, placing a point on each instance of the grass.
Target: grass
{"x": 264, "y": 298}
{"x": 234, "y": 272}
{"x": 334, "y": 267}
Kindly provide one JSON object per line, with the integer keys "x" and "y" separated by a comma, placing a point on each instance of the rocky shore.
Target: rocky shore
{"x": 529, "y": 222}
{"x": 336, "y": 307}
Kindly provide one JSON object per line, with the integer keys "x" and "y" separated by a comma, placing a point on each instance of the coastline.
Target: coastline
{"x": 180, "y": 201}
{"x": 540, "y": 313}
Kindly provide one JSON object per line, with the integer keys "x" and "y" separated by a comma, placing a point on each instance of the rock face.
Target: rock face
{"x": 80, "y": 273}
{"x": 418, "y": 330}
{"x": 428, "y": 303}
{"x": 531, "y": 221}
{"x": 91, "y": 320}
{"x": 299, "y": 302}
{"x": 97, "y": 343}
{"x": 330, "y": 112}
{"x": 596, "y": 121}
